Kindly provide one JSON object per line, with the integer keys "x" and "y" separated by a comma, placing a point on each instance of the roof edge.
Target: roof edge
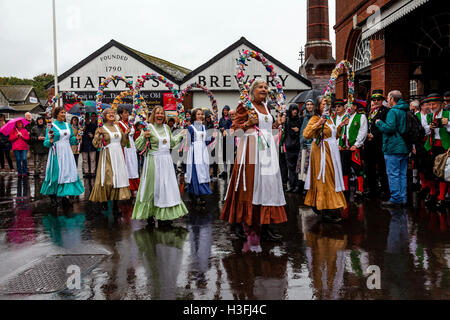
{"x": 107, "y": 46}
{"x": 235, "y": 45}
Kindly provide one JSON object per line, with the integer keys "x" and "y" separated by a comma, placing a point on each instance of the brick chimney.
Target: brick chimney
{"x": 319, "y": 61}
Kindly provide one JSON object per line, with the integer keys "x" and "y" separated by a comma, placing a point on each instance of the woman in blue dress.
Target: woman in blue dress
{"x": 197, "y": 173}
{"x": 61, "y": 175}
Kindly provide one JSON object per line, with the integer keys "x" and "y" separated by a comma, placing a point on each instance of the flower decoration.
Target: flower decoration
{"x": 208, "y": 93}
{"x": 65, "y": 95}
{"x": 169, "y": 85}
{"x": 139, "y": 105}
{"x": 99, "y": 98}
{"x": 277, "y": 96}
{"x": 341, "y": 67}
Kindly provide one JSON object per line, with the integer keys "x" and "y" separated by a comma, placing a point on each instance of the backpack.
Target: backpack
{"x": 414, "y": 132}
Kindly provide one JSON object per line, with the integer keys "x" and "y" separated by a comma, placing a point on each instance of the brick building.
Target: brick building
{"x": 319, "y": 61}
{"x": 394, "y": 44}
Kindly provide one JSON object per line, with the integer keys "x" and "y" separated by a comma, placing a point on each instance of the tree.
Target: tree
{"x": 38, "y": 82}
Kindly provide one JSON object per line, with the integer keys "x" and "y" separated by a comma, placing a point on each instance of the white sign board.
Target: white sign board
{"x": 111, "y": 62}
{"x": 221, "y": 75}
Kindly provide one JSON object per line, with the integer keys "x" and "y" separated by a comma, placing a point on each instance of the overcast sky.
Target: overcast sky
{"x": 187, "y": 33}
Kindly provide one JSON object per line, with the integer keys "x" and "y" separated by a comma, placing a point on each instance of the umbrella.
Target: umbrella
{"x": 305, "y": 95}
{"x": 7, "y": 109}
{"x": 91, "y": 106}
{"x": 128, "y": 107}
{"x": 10, "y": 125}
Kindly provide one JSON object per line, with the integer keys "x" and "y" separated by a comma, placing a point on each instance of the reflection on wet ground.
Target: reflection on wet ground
{"x": 198, "y": 258}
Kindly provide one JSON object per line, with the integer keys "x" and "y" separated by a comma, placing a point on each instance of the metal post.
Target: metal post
{"x": 55, "y": 58}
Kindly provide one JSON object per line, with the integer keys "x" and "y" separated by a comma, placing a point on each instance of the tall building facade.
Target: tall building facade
{"x": 319, "y": 60}
{"x": 394, "y": 45}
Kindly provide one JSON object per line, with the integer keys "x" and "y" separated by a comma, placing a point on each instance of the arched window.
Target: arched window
{"x": 362, "y": 56}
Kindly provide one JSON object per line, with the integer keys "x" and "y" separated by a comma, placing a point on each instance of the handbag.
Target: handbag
{"x": 439, "y": 165}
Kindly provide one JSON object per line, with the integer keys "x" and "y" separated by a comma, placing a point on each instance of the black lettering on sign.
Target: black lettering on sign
{"x": 256, "y": 76}
{"x": 270, "y": 81}
{"x": 89, "y": 83}
{"x": 227, "y": 81}
{"x": 214, "y": 80}
{"x": 202, "y": 80}
{"x": 284, "y": 80}
{"x": 77, "y": 82}
{"x": 155, "y": 83}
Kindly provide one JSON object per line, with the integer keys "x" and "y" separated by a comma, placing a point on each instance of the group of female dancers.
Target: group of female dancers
{"x": 254, "y": 199}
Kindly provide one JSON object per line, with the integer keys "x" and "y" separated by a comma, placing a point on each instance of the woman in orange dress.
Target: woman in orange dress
{"x": 324, "y": 181}
{"x": 255, "y": 197}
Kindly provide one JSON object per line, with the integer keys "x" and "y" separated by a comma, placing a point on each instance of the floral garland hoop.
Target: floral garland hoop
{"x": 342, "y": 67}
{"x": 209, "y": 94}
{"x": 139, "y": 108}
{"x": 247, "y": 55}
{"x": 99, "y": 98}
{"x": 51, "y": 105}
{"x": 169, "y": 85}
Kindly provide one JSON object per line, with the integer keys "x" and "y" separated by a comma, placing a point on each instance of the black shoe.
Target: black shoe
{"x": 440, "y": 206}
{"x": 390, "y": 204}
{"x": 266, "y": 235}
{"x": 239, "y": 232}
{"x": 164, "y": 223}
{"x": 430, "y": 200}
{"x": 422, "y": 194}
{"x": 358, "y": 195}
{"x": 54, "y": 201}
{"x": 369, "y": 195}
{"x": 150, "y": 222}
{"x": 331, "y": 217}
{"x": 66, "y": 202}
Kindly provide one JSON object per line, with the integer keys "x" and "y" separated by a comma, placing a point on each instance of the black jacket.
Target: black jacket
{"x": 373, "y": 129}
{"x": 86, "y": 142}
{"x": 36, "y": 145}
{"x": 292, "y": 137}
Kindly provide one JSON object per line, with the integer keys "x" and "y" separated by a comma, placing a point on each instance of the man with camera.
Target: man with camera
{"x": 437, "y": 143}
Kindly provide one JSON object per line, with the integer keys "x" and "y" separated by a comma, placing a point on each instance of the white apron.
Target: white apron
{"x": 66, "y": 161}
{"x": 120, "y": 173}
{"x": 166, "y": 191}
{"x": 267, "y": 184}
{"x": 199, "y": 152}
{"x": 131, "y": 156}
{"x": 335, "y": 157}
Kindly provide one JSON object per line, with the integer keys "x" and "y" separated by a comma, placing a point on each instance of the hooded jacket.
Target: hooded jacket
{"x": 225, "y": 123}
{"x": 393, "y": 128}
{"x": 292, "y": 137}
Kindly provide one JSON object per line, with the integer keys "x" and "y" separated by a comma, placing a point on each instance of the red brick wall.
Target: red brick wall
{"x": 390, "y": 68}
{"x": 318, "y": 29}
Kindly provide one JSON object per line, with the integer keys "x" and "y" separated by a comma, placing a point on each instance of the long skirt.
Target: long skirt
{"x": 146, "y": 208}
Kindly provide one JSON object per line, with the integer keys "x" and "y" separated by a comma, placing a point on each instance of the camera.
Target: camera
{"x": 438, "y": 122}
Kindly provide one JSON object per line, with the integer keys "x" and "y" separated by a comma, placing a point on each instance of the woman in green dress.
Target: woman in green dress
{"x": 158, "y": 195}
{"x": 61, "y": 177}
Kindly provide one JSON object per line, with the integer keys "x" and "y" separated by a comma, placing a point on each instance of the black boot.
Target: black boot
{"x": 238, "y": 230}
{"x": 331, "y": 216}
{"x": 150, "y": 222}
{"x": 53, "y": 200}
{"x": 268, "y": 235}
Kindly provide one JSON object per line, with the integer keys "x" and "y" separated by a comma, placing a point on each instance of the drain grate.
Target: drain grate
{"x": 49, "y": 274}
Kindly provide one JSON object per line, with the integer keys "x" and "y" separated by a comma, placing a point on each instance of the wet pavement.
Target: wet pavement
{"x": 198, "y": 258}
